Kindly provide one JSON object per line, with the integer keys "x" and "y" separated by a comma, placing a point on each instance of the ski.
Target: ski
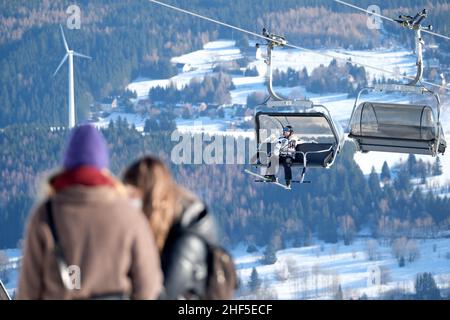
{"x": 265, "y": 180}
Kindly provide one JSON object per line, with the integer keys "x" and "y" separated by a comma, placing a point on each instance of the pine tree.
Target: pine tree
{"x": 426, "y": 288}
{"x": 437, "y": 167}
{"x": 364, "y": 297}
{"x": 402, "y": 181}
{"x": 328, "y": 226}
{"x": 412, "y": 165}
{"x": 374, "y": 184}
{"x": 339, "y": 295}
{"x": 385, "y": 172}
{"x": 270, "y": 256}
{"x": 254, "y": 282}
{"x": 401, "y": 262}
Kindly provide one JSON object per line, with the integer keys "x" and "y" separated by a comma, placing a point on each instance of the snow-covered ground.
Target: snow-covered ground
{"x": 12, "y": 273}
{"x": 195, "y": 65}
{"x": 198, "y": 63}
{"x": 397, "y": 60}
{"x": 315, "y": 272}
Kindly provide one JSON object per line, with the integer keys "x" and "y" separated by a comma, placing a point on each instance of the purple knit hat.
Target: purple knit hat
{"x": 86, "y": 147}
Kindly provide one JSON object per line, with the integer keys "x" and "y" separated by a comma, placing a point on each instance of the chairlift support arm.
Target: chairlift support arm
{"x": 414, "y": 23}
{"x": 273, "y": 41}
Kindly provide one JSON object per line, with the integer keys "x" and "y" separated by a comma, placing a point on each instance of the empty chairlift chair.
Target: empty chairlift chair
{"x": 412, "y": 127}
{"x": 403, "y": 128}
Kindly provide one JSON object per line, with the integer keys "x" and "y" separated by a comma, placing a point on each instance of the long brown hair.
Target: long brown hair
{"x": 158, "y": 188}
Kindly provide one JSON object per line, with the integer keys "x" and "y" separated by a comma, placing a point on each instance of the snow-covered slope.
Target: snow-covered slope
{"x": 195, "y": 65}
{"x": 315, "y": 272}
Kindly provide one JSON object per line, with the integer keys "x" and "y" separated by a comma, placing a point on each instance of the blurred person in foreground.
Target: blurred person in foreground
{"x": 87, "y": 221}
{"x": 194, "y": 265}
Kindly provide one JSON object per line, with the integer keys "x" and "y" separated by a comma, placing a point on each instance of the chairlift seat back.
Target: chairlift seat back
{"x": 317, "y": 154}
{"x": 393, "y": 127}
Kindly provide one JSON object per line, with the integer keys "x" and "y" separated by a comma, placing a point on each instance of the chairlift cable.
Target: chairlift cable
{"x": 291, "y": 45}
{"x": 386, "y": 18}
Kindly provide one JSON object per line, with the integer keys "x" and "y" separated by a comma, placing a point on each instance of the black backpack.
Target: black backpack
{"x": 221, "y": 278}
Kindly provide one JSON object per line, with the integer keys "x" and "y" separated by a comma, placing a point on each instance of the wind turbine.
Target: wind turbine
{"x": 70, "y": 54}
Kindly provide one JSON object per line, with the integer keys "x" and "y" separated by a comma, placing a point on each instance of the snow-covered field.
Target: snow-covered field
{"x": 397, "y": 60}
{"x": 195, "y": 65}
{"x": 201, "y": 62}
{"x": 316, "y": 271}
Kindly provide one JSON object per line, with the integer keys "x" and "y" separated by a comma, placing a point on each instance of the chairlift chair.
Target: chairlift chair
{"x": 320, "y": 137}
{"x": 400, "y": 127}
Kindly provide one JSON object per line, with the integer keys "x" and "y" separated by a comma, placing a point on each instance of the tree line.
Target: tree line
{"x": 340, "y": 201}
{"x": 135, "y": 38}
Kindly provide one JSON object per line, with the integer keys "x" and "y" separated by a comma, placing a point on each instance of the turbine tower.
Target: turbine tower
{"x": 70, "y": 54}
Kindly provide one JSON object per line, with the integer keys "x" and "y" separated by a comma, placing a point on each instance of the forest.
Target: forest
{"x": 340, "y": 202}
{"x": 212, "y": 89}
{"x": 135, "y": 38}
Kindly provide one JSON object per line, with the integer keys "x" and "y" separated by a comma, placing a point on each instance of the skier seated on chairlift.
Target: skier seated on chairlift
{"x": 285, "y": 152}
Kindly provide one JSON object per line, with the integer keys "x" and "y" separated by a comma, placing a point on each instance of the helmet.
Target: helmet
{"x": 288, "y": 129}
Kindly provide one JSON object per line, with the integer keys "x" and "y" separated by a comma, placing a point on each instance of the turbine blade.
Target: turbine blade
{"x": 62, "y": 62}
{"x": 64, "y": 38}
{"x": 81, "y": 55}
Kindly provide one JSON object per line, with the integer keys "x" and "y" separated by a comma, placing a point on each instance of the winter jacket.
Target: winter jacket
{"x": 285, "y": 147}
{"x": 101, "y": 233}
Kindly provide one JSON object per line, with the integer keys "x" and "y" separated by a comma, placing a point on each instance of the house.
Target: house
{"x": 108, "y": 104}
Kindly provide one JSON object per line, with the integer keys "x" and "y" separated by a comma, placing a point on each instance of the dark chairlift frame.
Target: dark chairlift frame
{"x": 277, "y": 106}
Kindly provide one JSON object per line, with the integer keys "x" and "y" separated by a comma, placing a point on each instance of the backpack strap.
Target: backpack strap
{"x": 62, "y": 264}
{"x": 60, "y": 259}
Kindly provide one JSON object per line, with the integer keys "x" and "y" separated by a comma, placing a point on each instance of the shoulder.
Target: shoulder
{"x": 197, "y": 219}
{"x": 38, "y": 214}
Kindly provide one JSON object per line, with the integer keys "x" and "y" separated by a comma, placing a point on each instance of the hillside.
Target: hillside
{"x": 131, "y": 38}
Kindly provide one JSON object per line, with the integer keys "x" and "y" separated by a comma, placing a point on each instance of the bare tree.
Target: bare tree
{"x": 293, "y": 267}
{"x": 385, "y": 275}
{"x": 266, "y": 293}
{"x": 412, "y": 251}
{"x": 399, "y": 248}
{"x": 347, "y": 229}
{"x": 404, "y": 249}
{"x": 304, "y": 276}
{"x": 296, "y": 288}
{"x": 353, "y": 253}
{"x": 372, "y": 250}
{"x": 334, "y": 250}
{"x": 282, "y": 271}
{"x": 316, "y": 273}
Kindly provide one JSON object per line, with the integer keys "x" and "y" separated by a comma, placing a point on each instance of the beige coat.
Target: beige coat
{"x": 101, "y": 233}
